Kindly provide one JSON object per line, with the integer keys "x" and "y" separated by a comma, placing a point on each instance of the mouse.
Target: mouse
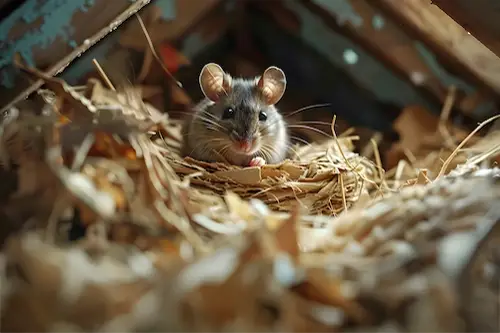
{"x": 237, "y": 122}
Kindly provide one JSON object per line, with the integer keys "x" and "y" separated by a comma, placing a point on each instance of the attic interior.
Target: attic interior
{"x": 403, "y": 188}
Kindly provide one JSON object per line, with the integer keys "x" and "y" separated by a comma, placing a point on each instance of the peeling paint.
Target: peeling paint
{"x": 57, "y": 15}
{"x": 344, "y": 12}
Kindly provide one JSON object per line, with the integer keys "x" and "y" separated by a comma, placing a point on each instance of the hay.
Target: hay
{"x": 176, "y": 244}
{"x": 313, "y": 179}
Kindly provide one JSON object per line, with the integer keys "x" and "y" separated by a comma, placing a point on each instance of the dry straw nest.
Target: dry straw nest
{"x": 324, "y": 178}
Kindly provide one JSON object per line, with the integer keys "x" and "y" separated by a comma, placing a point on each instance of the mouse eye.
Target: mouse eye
{"x": 262, "y": 116}
{"x": 228, "y": 113}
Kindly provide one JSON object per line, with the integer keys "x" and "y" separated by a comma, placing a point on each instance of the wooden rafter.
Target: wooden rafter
{"x": 386, "y": 41}
{"x": 479, "y": 17}
{"x": 443, "y": 33}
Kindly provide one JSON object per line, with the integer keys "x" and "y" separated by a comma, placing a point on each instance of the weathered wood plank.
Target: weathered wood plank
{"x": 410, "y": 59}
{"x": 50, "y": 34}
{"x": 445, "y": 34}
{"x": 362, "y": 66}
{"x": 479, "y": 17}
{"x": 383, "y": 38}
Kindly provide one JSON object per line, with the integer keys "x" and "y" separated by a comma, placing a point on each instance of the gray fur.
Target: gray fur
{"x": 205, "y": 141}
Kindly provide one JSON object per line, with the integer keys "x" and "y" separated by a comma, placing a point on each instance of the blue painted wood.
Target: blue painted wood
{"x": 45, "y": 31}
{"x": 55, "y": 17}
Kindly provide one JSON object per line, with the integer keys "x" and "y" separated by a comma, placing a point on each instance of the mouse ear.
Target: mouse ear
{"x": 272, "y": 85}
{"x": 214, "y": 82}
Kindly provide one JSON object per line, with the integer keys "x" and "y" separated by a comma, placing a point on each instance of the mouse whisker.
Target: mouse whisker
{"x": 268, "y": 151}
{"x": 214, "y": 140}
{"x": 305, "y": 108}
{"x": 211, "y": 122}
{"x": 206, "y": 113}
{"x": 291, "y": 145}
{"x": 215, "y": 129}
{"x": 223, "y": 150}
{"x": 313, "y": 122}
{"x": 311, "y": 129}
{"x": 305, "y": 142}
{"x": 197, "y": 135}
{"x": 295, "y": 151}
{"x": 220, "y": 155}
{"x": 264, "y": 153}
{"x": 301, "y": 110}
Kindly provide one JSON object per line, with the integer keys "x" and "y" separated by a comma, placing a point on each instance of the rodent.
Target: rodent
{"x": 237, "y": 121}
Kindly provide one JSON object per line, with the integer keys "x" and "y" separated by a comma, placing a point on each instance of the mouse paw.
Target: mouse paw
{"x": 257, "y": 161}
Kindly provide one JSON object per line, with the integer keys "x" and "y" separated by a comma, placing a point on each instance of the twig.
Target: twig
{"x": 347, "y": 162}
{"x": 148, "y": 55}
{"x": 153, "y": 51}
{"x": 410, "y": 156}
{"x": 338, "y": 143}
{"x": 89, "y": 42}
{"x": 378, "y": 160}
{"x": 479, "y": 158}
{"x": 455, "y": 152}
{"x": 402, "y": 164}
{"x": 82, "y": 152}
{"x": 368, "y": 149}
{"x": 445, "y": 115}
{"x": 103, "y": 74}
{"x": 344, "y": 201}
{"x": 61, "y": 203}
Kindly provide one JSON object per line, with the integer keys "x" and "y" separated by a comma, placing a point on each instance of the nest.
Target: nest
{"x": 317, "y": 243}
{"x": 320, "y": 177}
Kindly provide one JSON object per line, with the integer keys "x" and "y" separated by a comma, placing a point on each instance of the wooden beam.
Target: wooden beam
{"x": 479, "y": 17}
{"x": 384, "y": 39}
{"x": 53, "y": 46}
{"x": 363, "y": 92}
{"x": 359, "y": 64}
{"x": 442, "y": 33}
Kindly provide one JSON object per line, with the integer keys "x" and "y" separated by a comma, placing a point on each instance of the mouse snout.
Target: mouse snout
{"x": 243, "y": 143}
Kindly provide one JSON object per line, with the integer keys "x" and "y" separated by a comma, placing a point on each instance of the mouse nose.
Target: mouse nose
{"x": 245, "y": 144}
